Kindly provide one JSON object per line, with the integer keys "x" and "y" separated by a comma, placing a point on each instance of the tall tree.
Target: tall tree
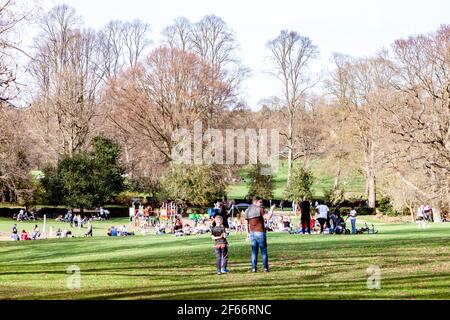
{"x": 291, "y": 54}
{"x": 67, "y": 72}
{"x": 419, "y": 117}
{"x": 362, "y": 87}
{"x": 261, "y": 185}
{"x": 300, "y": 186}
{"x": 15, "y": 180}
{"x": 194, "y": 185}
{"x": 86, "y": 179}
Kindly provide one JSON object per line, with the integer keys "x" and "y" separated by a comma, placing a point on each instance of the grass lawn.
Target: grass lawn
{"x": 354, "y": 187}
{"x": 414, "y": 264}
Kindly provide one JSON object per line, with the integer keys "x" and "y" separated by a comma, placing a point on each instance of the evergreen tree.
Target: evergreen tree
{"x": 260, "y": 185}
{"x": 300, "y": 185}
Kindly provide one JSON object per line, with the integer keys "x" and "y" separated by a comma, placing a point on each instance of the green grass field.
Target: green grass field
{"x": 414, "y": 264}
{"x": 354, "y": 186}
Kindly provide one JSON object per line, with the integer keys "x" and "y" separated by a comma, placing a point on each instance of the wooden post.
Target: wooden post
{"x": 44, "y": 233}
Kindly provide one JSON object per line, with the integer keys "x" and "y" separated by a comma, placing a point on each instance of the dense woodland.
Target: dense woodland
{"x": 386, "y": 116}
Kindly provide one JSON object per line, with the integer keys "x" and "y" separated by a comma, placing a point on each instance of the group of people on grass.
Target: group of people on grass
{"x": 425, "y": 216}
{"x": 424, "y": 213}
{"x": 119, "y": 232}
{"x": 24, "y": 215}
{"x": 322, "y": 221}
{"x": 255, "y": 217}
{"x": 34, "y": 234}
{"x": 258, "y": 221}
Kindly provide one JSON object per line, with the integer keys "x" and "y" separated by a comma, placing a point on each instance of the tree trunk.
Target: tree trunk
{"x": 436, "y": 215}
{"x": 371, "y": 177}
{"x": 337, "y": 177}
{"x": 411, "y": 211}
{"x": 290, "y": 146}
{"x": 372, "y": 195}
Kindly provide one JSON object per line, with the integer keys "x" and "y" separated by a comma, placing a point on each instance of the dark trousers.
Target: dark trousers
{"x": 222, "y": 258}
{"x": 306, "y": 223}
{"x": 322, "y": 222}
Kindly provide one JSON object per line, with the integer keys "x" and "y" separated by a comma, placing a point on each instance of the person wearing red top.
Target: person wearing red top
{"x": 24, "y": 235}
{"x": 313, "y": 223}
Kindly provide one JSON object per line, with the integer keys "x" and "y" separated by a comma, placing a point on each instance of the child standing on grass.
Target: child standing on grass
{"x": 219, "y": 235}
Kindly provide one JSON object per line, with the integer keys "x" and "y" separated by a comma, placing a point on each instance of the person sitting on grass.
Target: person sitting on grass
{"x": 187, "y": 230}
{"x": 280, "y": 225}
{"x": 58, "y": 233}
{"x": 24, "y": 235}
{"x": 15, "y": 233}
{"x": 112, "y": 232}
{"x": 219, "y": 235}
{"x": 68, "y": 233}
{"x": 286, "y": 223}
{"x": 36, "y": 233}
{"x": 313, "y": 223}
{"x": 20, "y": 215}
{"x": 201, "y": 228}
{"x": 123, "y": 231}
{"x": 160, "y": 228}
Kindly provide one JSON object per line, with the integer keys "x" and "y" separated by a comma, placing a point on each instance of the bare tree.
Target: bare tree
{"x": 179, "y": 35}
{"x": 166, "y": 93}
{"x": 215, "y": 44}
{"x": 362, "y": 87}
{"x": 291, "y": 53}
{"x": 111, "y": 42}
{"x": 68, "y": 75}
{"x": 12, "y": 17}
{"x": 136, "y": 40}
{"x": 15, "y": 180}
{"x": 420, "y": 117}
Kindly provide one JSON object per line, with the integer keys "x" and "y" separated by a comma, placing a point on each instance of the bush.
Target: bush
{"x": 300, "y": 185}
{"x": 334, "y": 197}
{"x": 124, "y": 199}
{"x": 260, "y": 185}
{"x": 386, "y": 207}
{"x": 365, "y": 211}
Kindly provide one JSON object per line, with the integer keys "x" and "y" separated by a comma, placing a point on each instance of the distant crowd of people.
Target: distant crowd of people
{"x": 24, "y": 215}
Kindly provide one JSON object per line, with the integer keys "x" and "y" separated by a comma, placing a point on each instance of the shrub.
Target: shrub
{"x": 386, "y": 207}
{"x": 334, "y": 197}
{"x": 300, "y": 185}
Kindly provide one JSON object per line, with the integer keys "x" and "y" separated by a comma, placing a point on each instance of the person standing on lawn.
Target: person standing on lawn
{"x": 353, "y": 214}
{"x": 219, "y": 235}
{"x": 305, "y": 220}
{"x": 322, "y": 215}
{"x": 255, "y": 217}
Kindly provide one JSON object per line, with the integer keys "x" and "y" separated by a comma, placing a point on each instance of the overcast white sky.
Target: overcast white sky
{"x": 354, "y": 27}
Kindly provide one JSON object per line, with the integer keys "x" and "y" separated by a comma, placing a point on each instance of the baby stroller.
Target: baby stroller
{"x": 341, "y": 227}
